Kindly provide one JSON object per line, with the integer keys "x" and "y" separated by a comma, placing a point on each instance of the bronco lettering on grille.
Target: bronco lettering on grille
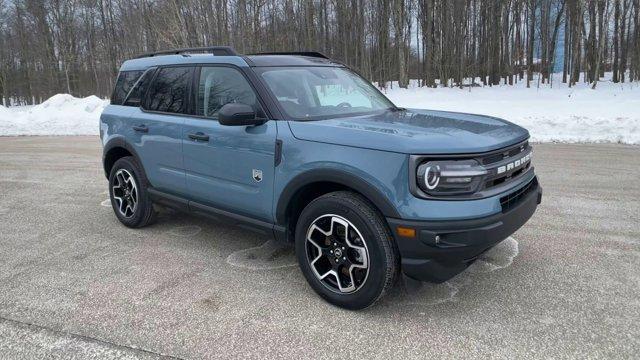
{"x": 514, "y": 164}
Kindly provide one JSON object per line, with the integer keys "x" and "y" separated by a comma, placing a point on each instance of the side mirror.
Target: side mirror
{"x": 236, "y": 114}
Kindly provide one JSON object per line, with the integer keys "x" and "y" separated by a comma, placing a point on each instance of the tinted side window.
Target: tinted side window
{"x": 222, "y": 85}
{"x": 169, "y": 90}
{"x": 125, "y": 81}
{"x": 135, "y": 96}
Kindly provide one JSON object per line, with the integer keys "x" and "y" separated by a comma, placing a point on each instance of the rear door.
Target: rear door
{"x": 228, "y": 167}
{"x": 156, "y": 128}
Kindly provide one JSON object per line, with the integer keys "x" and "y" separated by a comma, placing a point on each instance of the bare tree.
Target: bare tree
{"x": 76, "y": 46}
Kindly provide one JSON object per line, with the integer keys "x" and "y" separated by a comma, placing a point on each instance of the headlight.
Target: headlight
{"x": 450, "y": 177}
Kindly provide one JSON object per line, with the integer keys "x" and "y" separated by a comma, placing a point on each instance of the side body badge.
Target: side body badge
{"x": 257, "y": 175}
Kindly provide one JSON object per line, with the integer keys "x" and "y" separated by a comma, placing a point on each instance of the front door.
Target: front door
{"x": 230, "y": 168}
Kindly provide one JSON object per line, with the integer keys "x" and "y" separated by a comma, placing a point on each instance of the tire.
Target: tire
{"x": 321, "y": 244}
{"x": 127, "y": 171}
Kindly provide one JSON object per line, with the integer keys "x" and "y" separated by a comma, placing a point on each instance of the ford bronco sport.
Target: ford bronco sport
{"x": 301, "y": 148}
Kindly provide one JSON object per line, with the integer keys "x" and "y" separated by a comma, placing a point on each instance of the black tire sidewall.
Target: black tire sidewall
{"x": 378, "y": 266}
{"x": 129, "y": 164}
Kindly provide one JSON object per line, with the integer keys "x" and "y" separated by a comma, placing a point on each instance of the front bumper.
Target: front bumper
{"x": 442, "y": 249}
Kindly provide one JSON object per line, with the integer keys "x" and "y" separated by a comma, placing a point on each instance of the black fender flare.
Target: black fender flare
{"x": 335, "y": 176}
{"x": 119, "y": 141}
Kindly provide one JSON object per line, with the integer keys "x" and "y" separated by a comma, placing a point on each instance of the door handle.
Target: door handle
{"x": 199, "y": 136}
{"x": 142, "y": 128}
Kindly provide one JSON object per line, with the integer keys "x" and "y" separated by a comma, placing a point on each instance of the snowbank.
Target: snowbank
{"x": 610, "y": 113}
{"x": 62, "y": 114}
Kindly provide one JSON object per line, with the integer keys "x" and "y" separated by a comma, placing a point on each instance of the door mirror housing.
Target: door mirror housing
{"x": 237, "y": 114}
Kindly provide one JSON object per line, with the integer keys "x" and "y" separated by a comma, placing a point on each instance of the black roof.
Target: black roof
{"x": 298, "y": 58}
{"x": 214, "y": 50}
{"x": 288, "y": 60}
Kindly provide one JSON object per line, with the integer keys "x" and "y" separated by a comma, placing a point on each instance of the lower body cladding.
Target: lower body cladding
{"x": 437, "y": 251}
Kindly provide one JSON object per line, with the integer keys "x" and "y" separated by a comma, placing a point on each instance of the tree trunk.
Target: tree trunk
{"x": 616, "y": 41}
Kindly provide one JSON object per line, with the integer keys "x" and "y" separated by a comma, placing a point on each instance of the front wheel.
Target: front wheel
{"x": 345, "y": 250}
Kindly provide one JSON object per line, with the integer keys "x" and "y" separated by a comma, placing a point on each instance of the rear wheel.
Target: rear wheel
{"x": 345, "y": 250}
{"x": 128, "y": 192}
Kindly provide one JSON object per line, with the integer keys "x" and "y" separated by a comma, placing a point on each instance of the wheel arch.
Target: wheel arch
{"x": 115, "y": 149}
{"x": 303, "y": 188}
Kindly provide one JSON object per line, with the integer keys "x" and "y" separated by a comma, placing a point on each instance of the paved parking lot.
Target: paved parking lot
{"x": 75, "y": 283}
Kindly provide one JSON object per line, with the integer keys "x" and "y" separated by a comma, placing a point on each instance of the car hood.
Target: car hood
{"x": 414, "y": 131}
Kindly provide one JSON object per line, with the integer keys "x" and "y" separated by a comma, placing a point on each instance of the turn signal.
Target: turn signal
{"x": 406, "y": 232}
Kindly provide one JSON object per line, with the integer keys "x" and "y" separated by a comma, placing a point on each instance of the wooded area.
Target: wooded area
{"x": 77, "y": 46}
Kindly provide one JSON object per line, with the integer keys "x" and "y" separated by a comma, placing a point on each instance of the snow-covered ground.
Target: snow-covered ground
{"x": 610, "y": 113}
{"x": 61, "y": 114}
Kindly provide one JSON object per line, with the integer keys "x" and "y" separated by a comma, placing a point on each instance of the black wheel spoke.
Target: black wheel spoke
{"x": 337, "y": 253}
{"x": 125, "y": 193}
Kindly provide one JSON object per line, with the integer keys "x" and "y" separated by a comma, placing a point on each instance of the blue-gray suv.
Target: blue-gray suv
{"x": 301, "y": 148}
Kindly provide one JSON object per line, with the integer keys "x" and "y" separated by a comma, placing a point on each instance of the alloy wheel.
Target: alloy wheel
{"x": 125, "y": 193}
{"x": 337, "y": 253}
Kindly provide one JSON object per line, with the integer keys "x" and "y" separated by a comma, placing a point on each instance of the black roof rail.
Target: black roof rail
{"x": 298, "y": 53}
{"x": 215, "y": 50}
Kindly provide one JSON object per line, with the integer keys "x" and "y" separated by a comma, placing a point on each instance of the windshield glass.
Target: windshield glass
{"x": 311, "y": 93}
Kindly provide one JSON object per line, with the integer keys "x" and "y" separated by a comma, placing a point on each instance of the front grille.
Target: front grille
{"x": 505, "y": 165}
{"x": 509, "y": 201}
{"x": 502, "y": 179}
{"x": 497, "y": 156}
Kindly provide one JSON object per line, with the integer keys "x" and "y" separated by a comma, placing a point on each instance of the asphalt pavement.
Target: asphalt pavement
{"x": 74, "y": 283}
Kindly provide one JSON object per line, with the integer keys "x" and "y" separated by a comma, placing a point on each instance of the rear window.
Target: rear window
{"x": 125, "y": 81}
{"x": 169, "y": 90}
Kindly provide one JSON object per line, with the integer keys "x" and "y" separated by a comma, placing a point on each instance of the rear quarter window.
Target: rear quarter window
{"x": 126, "y": 80}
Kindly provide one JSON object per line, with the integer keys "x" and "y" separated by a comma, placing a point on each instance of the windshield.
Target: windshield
{"x": 311, "y": 93}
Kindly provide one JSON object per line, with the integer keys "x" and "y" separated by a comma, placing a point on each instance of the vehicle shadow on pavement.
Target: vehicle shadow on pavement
{"x": 451, "y": 291}
{"x": 259, "y": 253}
